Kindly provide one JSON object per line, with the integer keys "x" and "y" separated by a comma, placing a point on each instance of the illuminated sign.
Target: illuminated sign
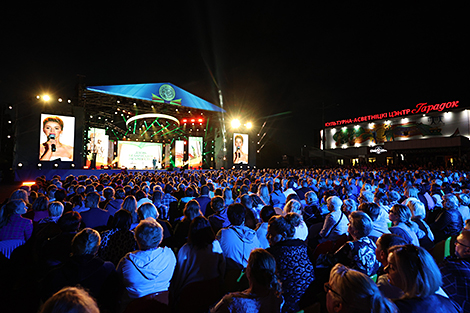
{"x": 420, "y": 108}
{"x": 378, "y": 150}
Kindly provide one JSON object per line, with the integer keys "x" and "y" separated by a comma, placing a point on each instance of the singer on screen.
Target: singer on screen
{"x": 52, "y": 149}
{"x": 239, "y": 156}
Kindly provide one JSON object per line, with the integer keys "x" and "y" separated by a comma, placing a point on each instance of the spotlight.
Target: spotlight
{"x": 39, "y": 166}
{"x": 235, "y": 123}
{"x": 248, "y": 125}
{"x": 20, "y": 165}
{"x": 56, "y": 165}
{"x": 72, "y": 165}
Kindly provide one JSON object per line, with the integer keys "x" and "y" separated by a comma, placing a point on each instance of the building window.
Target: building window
{"x": 355, "y": 162}
{"x": 372, "y": 160}
{"x": 340, "y": 161}
{"x": 389, "y": 160}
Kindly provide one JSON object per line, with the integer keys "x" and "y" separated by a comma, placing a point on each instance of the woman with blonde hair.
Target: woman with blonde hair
{"x": 301, "y": 229}
{"x": 413, "y": 270}
{"x": 352, "y": 291}
{"x": 400, "y": 216}
{"x": 263, "y": 193}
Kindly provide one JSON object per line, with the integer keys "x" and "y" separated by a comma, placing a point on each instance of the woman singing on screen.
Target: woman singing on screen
{"x": 239, "y": 156}
{"x": 52, "y": 149}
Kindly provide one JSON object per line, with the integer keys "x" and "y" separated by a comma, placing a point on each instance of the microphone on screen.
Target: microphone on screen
{"x": 52, "y": 136}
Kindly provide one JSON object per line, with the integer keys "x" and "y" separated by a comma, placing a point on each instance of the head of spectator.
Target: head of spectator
{"x": 334, "y": 203}
{"x": 413, "y": 270}
{"x": 200, "y": 233}
{"x": 266, "y": 213}
{"x": 217, "y": 204}
{"x": 236, "y": 214}
{"x": 108, "y": 193}
{"x": 352, "y": 291}
{"x": 191, "y": 210}
{"x": 20, "y": 194}
{"x": 383, "y": 245}
{"x": 227, "y": 195}
{"x": 247, "y": 201}
{"x": 8, "y": 210}
{"x": 130, "y": 205}
{"x": 56, "y": 208}
{"x": 400, "y": 213}
{"x": 411, "y": 192}
{"x": 462, "y": 245}
{"x": 437, "y": 200}
{"x": 393, "y": 197}
{"x": 40, "y": 204}
{"x": 147, "y": 210}
{"x": 263, "y": 193}
{"x": 370, "y": 208}
{"x": 380, "y": 198}
{"x": 261, "y": 270}
{"x": 366, "y": 196}
{"x": 293, "y": 206}
{"x": 92, "y": 199}
{"x": 121, "y": 220}
{"x": 70, "y": 222}
{"x": 311, "y": 198}
{"x": 148, "y": 234}
{"x": 120, "y": 193}
{"x": 279, "y": 229}
{"x": 450, "y": 202}
{"x": 71, "y": 300}
{"x": 417, "y": 208}
{"x": 349, "y": 206}
{"x": 87, "y": 241}
{"x": 360, "y": 225}
{"x": 60, "y": 195}
{"x": 205, "y": 190}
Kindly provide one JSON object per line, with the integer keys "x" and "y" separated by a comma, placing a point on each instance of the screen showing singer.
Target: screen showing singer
{"x": 56, "y": 138}
{"x": 240, "y": 148}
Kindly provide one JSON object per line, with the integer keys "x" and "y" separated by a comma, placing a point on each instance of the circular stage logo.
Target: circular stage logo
{"x": 167, "y": 92}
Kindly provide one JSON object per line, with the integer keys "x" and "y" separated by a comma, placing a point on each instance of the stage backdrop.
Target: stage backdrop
{"x": 98, "y": 143}
{"x": 139, "y": 154}
{"x": 179, "y": 153}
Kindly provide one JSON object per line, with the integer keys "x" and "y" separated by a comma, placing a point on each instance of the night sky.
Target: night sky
{"x": 277, "y": 63}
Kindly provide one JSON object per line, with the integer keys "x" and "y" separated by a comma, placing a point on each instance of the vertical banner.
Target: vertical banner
{"x": 240, "y": 148}
{"x": 179, "y": 153}
{"x": 195, "y": 152}
{"x": 98, "y": 146}
{"x": 57, "y": 136}
{"x": 167, "y": 159}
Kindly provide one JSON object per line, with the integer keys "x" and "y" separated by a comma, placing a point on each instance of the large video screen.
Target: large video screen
{"x": 98, "y": 146}
{"x": 179, "y": 153}
{"x": 140, "y": 155}
{"x": 195, "y": 152}
{"x": 240, "y": 148}
{"x": 57, "y": 136}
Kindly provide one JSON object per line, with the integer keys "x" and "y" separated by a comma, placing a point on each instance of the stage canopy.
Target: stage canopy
{"x": 163, "y": 93}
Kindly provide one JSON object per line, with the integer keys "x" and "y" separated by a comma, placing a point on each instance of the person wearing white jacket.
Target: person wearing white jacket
{"x": 148, "y": 271}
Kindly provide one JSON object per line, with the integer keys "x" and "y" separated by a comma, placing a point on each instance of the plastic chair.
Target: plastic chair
{"x": 441, "y": 250}
{"x": 7, "y": 246}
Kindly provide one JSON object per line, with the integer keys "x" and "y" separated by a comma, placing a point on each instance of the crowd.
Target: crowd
{"x": 319, "y": 240}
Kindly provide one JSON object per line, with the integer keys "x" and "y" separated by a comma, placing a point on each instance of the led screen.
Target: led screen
{"x": 179, "y": 153}
{"x": 98, "y": 144}
{"x": 195, "y": 152}
{"x": 140, "y": 155}
{"x": 240, "y": 148}
{"x": 57, "y": 135}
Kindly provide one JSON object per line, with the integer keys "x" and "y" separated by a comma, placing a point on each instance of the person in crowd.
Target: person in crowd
{"x": 449, "y": 221}
{"x": 219, "y": 219}
{"x": 130, "y": 205}
{"x": 12, "y": 225}
{"x": 204, "y": 199}
{"x": 264, "y": 292}
{"x": 455, "y": 271}
{"x": 115, "y": 203}
{"x": 70, "y": 299}
{"x": 414, "y": 271}
{"x": 38, "y": 209}
{"x": 349, "y": 206}
{"x": 147, "y": 271}
{"x": 464, "y": 200}
{"x": 336, "y": 222}
{"x": 84, "y": 268}
{"x": 263, "y": 194}
{"x": 55, "y": 209}
{"x": 294, "y": 267}
{"x": 157, "y": 201}
{"x": 373, "y": 211}
{"x": 262, "y": 229}
{"x": 108, "y": 194}
{"x": 119, "y": 240}
{"x": 191, "y": 210}
{"x": 147, "y": 210}
{"x": 237, "y": 240}
{"x": 278, "y": 199}
{"x": 301, "y": 230}
{"x": 418, "y": 211}
{"x": 228, "y": 196}
{"x": 400, "y": 215}
{"x": 142, "y": 198}
{"x": 94, "y": 217}
{"x": 352, "y": 291}
{"x": 383, "y": 245}
{"x": 311, "y": 212}
{"x": 200, "y": 259}
{"x": 359, "y": 254}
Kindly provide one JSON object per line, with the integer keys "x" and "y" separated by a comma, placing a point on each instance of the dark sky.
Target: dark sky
{"x": 285, "y": 60}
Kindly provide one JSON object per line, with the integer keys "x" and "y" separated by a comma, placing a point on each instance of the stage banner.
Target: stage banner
{"x": 57, "y": 136}
{"x": 98, "y": 145}
{"x": 179, "y": 153}
{"x": 195, "y": 152}
{"x": 240, "y": 148}
{"x": 167, "y": 159}
{"x": 139, "y": 155}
